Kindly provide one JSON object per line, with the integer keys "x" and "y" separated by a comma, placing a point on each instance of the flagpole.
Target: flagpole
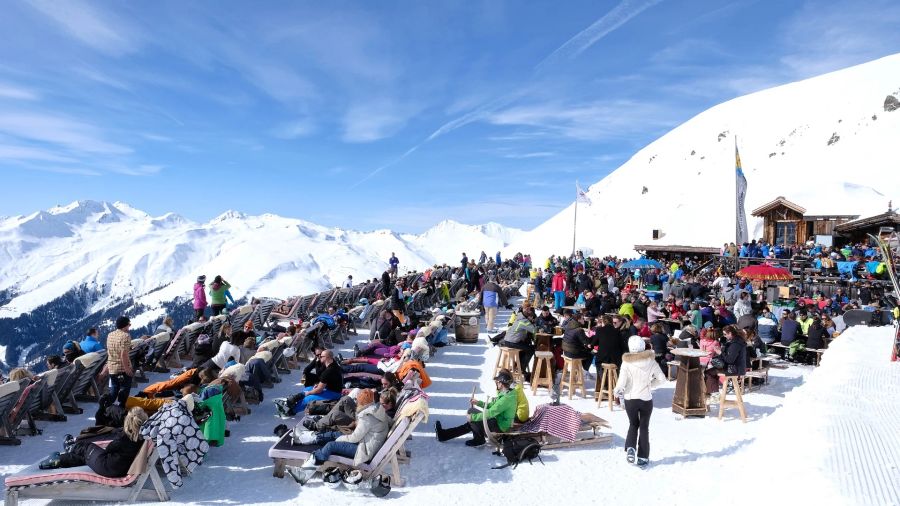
{"x": 575, "y": 225}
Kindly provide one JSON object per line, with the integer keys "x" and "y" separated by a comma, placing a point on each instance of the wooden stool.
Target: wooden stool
{"x": 542, "y": 371}
{"x": 606, "y": 384}
{"x": 738, "y": 384}
{"x": 509, "y": 360}
{"x": 575, "y": 378}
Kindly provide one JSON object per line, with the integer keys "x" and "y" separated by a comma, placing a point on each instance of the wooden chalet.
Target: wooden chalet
{"x": 786, "y": 223}
{"x": 879, "y": 226}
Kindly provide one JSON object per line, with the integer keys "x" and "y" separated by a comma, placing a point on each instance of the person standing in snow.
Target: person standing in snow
{"x": 217, "y": 295}
{"x": 640, "y": 373}
{"x": 349, "y": 282}
{"x": 394, "y": 264}
{"x": 199, "y": 297}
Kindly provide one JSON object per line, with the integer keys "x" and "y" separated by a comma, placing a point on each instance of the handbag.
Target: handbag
{"x": 717, "y": 362}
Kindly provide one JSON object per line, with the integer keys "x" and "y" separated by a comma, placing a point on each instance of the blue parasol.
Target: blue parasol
{"x": 642, "y": 263}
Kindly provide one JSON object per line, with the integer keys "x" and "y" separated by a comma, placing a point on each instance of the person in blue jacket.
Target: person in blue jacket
{"x": 90, "y": 343}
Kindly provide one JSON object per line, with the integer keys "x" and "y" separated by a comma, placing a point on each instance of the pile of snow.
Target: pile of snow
{"x": 826, "y": 143}
{"x": 124, "y": 252}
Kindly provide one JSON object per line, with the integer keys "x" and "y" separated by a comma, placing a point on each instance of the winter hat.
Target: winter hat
{"x": 69, "y": 346}
{"x": 636, "y": 344}
{"x": 707, "y": 325}
{"x": 364, "y": 398}
{"x": 122, "y": 322}
{"x": 201, "y": 278}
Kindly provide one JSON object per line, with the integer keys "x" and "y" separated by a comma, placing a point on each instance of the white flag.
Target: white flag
{"x": 580, "y": 195}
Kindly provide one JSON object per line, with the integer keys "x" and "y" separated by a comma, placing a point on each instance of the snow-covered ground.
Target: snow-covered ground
{"x": 824, "y": 436}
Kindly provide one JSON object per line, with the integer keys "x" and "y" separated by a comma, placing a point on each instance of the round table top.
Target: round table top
{"x": 689, "y": 352}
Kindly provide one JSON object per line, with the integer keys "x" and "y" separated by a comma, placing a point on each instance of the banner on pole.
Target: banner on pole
{"x": 741, "y": 234}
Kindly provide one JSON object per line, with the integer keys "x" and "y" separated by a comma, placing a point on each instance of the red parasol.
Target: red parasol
{"x": 765, "y": 272}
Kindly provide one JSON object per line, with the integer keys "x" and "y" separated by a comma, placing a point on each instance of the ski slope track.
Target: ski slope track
{"x": 826, "y": 143}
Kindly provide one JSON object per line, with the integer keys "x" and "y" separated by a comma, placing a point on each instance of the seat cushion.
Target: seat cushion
{"x": 33, "y": 475}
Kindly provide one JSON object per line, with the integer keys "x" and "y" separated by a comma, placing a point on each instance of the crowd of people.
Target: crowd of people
{"x": 605, "y": 313}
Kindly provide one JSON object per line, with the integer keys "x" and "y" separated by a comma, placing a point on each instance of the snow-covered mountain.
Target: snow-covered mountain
{"x": 123, "y": 252}
{"x": 828, "y": 144}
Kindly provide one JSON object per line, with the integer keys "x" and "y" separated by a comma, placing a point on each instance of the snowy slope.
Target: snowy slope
{"x": 126, "y": 253}
{"x": 825, "y": 143}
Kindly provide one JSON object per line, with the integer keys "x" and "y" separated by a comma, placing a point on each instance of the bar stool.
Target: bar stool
{"x": 606, "y": 384}
{"x": 575, "y": 378}
{"x": 738, "y": 384}
{"x": 542, "y": 372}
{"x": 509, "y": 360}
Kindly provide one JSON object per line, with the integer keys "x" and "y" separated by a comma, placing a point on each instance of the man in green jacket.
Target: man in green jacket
{"x": 500, "y": 412}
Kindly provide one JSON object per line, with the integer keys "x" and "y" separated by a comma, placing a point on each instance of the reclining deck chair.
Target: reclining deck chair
{"x": 9, "y": 395}
{"x": 81, "y": 483}
{"x": 50, "y": 408}
{"x": 285, "y": 453}
{"x": 64, "y": 388}
{"x": 589, "y": 422}
{"x": 86, "y": 387}
{"x": 20, "y": 411}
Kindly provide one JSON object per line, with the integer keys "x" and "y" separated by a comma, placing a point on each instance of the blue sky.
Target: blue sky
{"x": 381, "y": 114}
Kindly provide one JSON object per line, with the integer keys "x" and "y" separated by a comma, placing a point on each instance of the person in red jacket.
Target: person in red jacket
{"x": 558, "y": 286}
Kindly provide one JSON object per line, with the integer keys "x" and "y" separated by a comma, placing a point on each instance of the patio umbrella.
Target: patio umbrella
{"x": 765, "y": 272}
{"x": 642, "y": 263}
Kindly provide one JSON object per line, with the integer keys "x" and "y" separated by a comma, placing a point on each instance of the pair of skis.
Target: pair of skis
{"x": 888, "y": 259}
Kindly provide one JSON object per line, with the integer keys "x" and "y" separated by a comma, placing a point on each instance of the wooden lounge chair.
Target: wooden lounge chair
{"x": 51, "y": 408}
{"x": 87, "y": 388}
{"x": 29, "y": 397}
{"x": 9, "y": 394}
{"x": 285, "y": 454}
{"x": 80, "y": 483}
{"x": 589, "y": 422}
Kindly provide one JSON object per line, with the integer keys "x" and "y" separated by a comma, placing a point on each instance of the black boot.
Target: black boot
{"x": 451, "y": 433}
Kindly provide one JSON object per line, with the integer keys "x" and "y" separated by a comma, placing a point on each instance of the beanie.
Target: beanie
{"x": 122, "y": 322}
{"x": 636, "y": 344}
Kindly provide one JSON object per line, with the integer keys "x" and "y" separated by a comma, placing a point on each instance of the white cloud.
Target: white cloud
{"x": 12, "y": 152}
{"x": 294, "y": 129}
{"x": 95, "y": 28}
{"x": 70, "y": 134}
{"x": 589, "y": 121}
{"x": 825, "y": 37}
{"x": 612, "y": 20}
{"x": 16, "y": 92}
{"x": 371, "y": 121}
{"x": 535, "y": 154}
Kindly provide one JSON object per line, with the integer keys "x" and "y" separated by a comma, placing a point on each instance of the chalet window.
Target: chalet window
{"x": 785, "y": 232}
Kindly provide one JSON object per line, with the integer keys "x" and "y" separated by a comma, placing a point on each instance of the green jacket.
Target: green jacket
{"x": 218, "y": 296}
{"x": 503, "y": 408}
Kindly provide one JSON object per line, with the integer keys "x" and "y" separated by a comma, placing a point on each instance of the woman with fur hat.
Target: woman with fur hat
{"x": 639, "y": 375}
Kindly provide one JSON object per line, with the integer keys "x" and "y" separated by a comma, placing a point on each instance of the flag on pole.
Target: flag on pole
{"x": 580, "y": 195}
{"x": 741, "y": 235}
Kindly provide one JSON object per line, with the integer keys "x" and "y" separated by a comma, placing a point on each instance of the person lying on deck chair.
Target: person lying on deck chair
{"x": 327, "y": 389}
{"x": 111, "y": 461}
{"x": 500, "y": 412}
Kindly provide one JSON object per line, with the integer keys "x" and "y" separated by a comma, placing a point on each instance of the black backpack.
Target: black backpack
{"x": 519, "y": 449}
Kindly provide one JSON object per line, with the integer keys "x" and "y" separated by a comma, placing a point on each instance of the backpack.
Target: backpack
{"x": 517, "y": 450}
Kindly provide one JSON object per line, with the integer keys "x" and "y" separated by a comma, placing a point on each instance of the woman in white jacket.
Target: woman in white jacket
{"x": 640, "y": 373}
